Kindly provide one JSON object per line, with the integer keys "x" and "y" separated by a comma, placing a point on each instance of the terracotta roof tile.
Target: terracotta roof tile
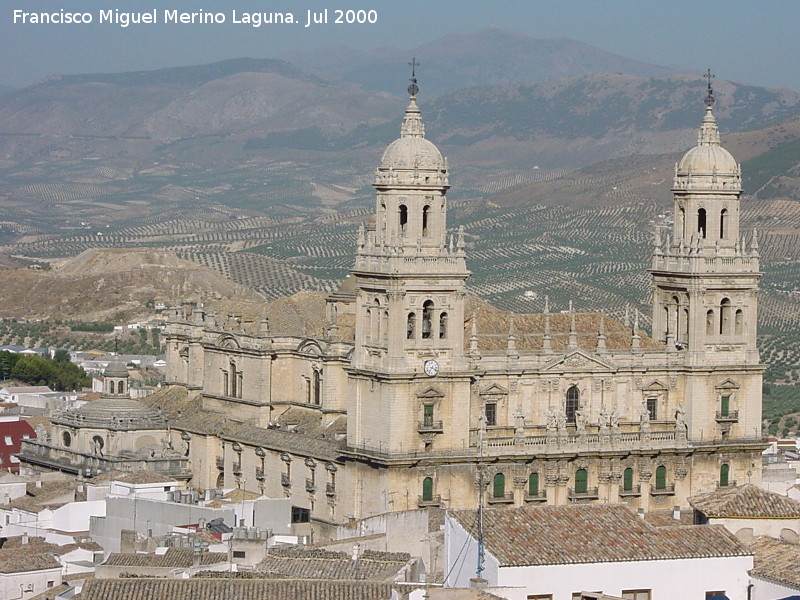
{"x": 251, "y": 589}
{"x": 316, "y": 563}
{"x": 13, "y": 560}
{"x": 172, "y": 558}
{"x": 746, "y": 501}
{"x": 776, "y": 560}
{"x": 551, "y": 535}
{"x": 145, "y": 477}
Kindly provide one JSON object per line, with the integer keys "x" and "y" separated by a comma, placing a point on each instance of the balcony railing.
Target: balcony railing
{"x": 667, "y": 490}
{"x": 429, "y": 426}
{"x": 285, "y": 481}
{"x": 732, "y": 416}
{"x": 220, "y": 463}
{"x": 588, "y": 494}
{"x": 507, "y": 498}
{"x": 540, "y": 496}
{"x": 633, "y": 492}
{"x": 260, "y": 474}
{"x": 330, "y": 490}
{"x": 311, "y": 487}
{"x": 435, "y": 500}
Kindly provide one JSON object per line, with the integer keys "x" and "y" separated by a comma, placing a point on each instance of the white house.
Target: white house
{"x": 552, "y": 553}
{"x": 776, "y": 573}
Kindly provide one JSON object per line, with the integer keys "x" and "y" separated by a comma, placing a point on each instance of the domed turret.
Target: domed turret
{"x": 115, "y": 380}
{"x": 708, "y": 166}
{"x": 411, "y": 159}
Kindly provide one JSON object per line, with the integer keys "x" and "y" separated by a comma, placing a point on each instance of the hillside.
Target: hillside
{"x": 487, "y": 57}
{"x": 109, "y": 284}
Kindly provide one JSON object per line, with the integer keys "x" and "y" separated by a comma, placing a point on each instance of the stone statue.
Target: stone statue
{"x": 605, "y": 418}
{"x": 562, "y": 420}
{"x": 644, "y": 416}
{"x": 613, "y": 419}
{"x": 680, "y": 419}
{"x": 580, "y": 421}
{"x": 552, "y": 420}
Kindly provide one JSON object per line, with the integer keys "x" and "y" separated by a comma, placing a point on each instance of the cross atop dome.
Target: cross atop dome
{"x": 710, "y": 95}
{"x": 413, "y": 89}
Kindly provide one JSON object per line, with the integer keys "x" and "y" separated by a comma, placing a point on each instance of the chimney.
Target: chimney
{"x": 641, "y": 513}
{"x": 676, "y": 513}
{"x": 356, "y": 551}
{"x": 38, "y": 483}
{"x": 24, "y": 538}
{"x": 478, "y": 582}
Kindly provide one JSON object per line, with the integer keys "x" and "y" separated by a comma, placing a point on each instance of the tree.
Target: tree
{"x": 61, "y": 356}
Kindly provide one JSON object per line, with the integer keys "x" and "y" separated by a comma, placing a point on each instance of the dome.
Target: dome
{"x": 411, "y": 159}
{"x": 708, "y": 165}
{"x": 409, "y": 153}
{"x": 112, "y": 413}
{"x": 116, "y": 368}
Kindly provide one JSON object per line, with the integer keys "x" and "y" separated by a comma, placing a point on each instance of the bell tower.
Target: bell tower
{"x": 705, "y": 277}
{"x": 410, "y": 287}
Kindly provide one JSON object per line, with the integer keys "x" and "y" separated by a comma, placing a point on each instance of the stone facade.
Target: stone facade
{"x": 406, "y": 392}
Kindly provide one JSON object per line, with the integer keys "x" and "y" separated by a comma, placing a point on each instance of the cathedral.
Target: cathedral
{"x": 401, "y": 390}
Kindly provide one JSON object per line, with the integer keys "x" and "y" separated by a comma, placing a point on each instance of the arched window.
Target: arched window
{"x": 385, "y": 324}
{"x": 627, "y": 480}
{"x": 427, "y": 314}
{"x": 701, "y": 222}
{"x": 533, "y": 484}
{"x": 724, "y": 472}
{"x": 581, "y": 481}
{"x": 120, "y": 387}
{"x": 427, "y": 489}
{"x": 685, "y": 330}
{"x": 66, "y": 438}
{"x": 710, "y": 322}
{"x": 661, "y": 477}
{"x": 499, "y": 486}
{"x": 425, "y": 214}
{"x": 571, "y": 404}
{"x": 403, "y": 218}
{"x": 411, "y": 325}
{"x": 723, "y": 222}
{"x": 233, "y": 380}
{"x": 738, "y": 322}
{"x": 674, "y": 327}
{"x": 682, "y": 222}
{"x": 725, "y": 316}
{"x": 443, "y": 326}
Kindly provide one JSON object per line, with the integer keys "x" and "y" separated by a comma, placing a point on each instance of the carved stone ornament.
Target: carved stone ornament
{"x": 576, "y": 360}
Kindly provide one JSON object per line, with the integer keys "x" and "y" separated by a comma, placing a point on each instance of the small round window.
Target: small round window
{"x": 66, "y": 438}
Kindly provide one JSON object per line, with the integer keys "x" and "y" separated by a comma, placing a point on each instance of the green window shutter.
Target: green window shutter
{"x": 427, "y": 489}
{"x": 428, "y": 415}
{"x": 499, "y": 487}
{"x": 533, "y": 484}
{"x": 627, "y": 480}
{"x": 724, "y": 472}
{"x": 725, "y": 406}
{"x": 661, "y": 477}
{"x": 581, "y": 481}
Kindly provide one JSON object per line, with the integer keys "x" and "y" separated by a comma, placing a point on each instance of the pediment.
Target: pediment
{"x": 655, "y": 386}
{"x": 578, "y": 360}
{"x": 728, "y": 384}
{"x": 495, "y": 390}
{"x": 430, "y": 393}
{"x": 309, "y": 346}
{"x": 228, "y": 342}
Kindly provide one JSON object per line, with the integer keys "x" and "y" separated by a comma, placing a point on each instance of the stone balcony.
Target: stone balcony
{"x": 507, "y": 498}
{"x": 732, "y": 416}
{"x": 667, "y": 490}
{"x": 591, "y": 493}
{"x": 432, "y": 502}
{"x": 540, "y": 496}
{"x": 634, "y": 492}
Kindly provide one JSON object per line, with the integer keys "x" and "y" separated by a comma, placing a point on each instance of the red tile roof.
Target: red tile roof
{"x": 552, "y": 535}
{"x": 746, "y": 502}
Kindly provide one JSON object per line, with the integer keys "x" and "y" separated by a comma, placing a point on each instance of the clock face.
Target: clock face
{"x": 431, "y": 368}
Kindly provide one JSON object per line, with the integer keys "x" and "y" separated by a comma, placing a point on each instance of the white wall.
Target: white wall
{"x": 13, "y": 586}
{"x": 75, "y": 516}
{"x": 764, "y": 589}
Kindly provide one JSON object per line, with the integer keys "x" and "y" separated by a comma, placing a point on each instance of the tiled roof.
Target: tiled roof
{"x": 51, "y": 494}
{"x": 172, "y": 558}
{"x": 28, "y": 389}
{"x": 249, "y": 589}
{"x": 746, "y": 502}
{"x": 194, "y": 419}
{"x": 493, "y": 326}
{"x": 776, "y": 560}
{"x": 12, "y": 560}
{"x": 314, "y": 564}
{"x": 145, "y": 477}
{"x": 550, "y": 535}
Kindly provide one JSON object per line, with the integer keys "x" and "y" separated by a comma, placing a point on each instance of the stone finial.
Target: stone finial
{"x": 754, "y": 243}
{"x": 635, "y": 338}
{"x": 601, "y": 335}
{"x": 546, "y": 339}
{"x": 461, "y": 245}
{"x": 473, "y": 337}
{"x": 573, "y": 334}
{"x": 361, "y": 237}
{"x": 511, "y": 349}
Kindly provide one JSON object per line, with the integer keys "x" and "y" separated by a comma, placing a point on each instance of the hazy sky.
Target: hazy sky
{"x": 746, "y": 41}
